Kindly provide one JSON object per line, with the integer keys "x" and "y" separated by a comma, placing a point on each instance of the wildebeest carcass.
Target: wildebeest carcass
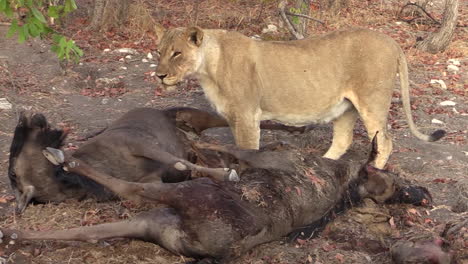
{"x": 143, "y": 145}
{"x": 280, "y": 190}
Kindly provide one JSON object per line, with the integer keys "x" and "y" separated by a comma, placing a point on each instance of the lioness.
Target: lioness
{"x": 333, "y": 77}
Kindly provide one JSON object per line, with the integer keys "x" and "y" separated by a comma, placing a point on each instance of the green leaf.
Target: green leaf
{"x": 23, "y": 33}
{"x": 53, "y": 12}
{"x": 8, "y": 11}
{"x": 37, "y": 14}
{"x": 3, "y": 4}
{"x": 13, "y": 28}
{"x": 33, "y": 30}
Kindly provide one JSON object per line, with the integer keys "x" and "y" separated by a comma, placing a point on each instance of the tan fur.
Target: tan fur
{"x": 334, "y": 77}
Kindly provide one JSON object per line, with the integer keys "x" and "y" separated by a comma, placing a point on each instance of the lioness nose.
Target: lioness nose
{"x": 161, "y": 75}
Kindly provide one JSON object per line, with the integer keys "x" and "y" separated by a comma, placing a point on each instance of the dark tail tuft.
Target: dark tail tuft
{"x": 437, "y": 135}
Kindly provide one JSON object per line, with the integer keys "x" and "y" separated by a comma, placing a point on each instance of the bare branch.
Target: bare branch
{"x": 304, "y": 16}
{"x": 418, "y": 6}
{"x": 292, "y": 30}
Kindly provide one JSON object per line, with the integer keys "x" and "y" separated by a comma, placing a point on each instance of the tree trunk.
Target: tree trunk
{"x": 108, "y": 14}
{"x": 303, "y": 7}
{"x": 440, "y": 40}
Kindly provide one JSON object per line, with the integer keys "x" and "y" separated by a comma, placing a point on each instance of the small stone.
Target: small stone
{"x": 153, "y": 74}
{"x": 441, "y": 83}
{"x": 4, "y": 104}
{"x": 454, "y": 62}
{"x": 270, "y": 29}
{"x": 398, "y": 22}
{"x": 129, "y": 57}
{"x": 128, "y": 50}
{"x": 106, "y": 50}
{"x": 153, "y": 65}
{"x": 105, "y": 101}
{"x": 436, "y": 121}
{"x": 418, "y": 158}
{"x": 447, "y": 103}
{"x": 14, "y": 236}
{"x": 452, "y": 68}
{"x": 12, "y": 242}
{"x": 449, "y": 157}
{"x": 122, "y": 59}
{"x": 149, "y": 56}
{"x": 256, "y": 37}
{"x": 1, "y": 234}
{"x": 144, "y": 60}
{"x": 123, "y": 68}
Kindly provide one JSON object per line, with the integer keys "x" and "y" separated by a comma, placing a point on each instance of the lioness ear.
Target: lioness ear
{"x": 159, "y": 30}
{"x": 195, "y": 35}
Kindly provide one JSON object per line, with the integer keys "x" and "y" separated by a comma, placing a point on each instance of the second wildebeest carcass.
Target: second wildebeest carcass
{"x": 280, "y": 190}
{"x": 144, "y": 145}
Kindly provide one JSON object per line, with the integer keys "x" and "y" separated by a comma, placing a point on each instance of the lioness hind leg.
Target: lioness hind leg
{"x": 378, "y": 123}
{"x": 342, "y": 134}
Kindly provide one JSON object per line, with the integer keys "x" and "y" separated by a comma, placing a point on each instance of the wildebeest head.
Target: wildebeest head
{"x": 375, "y": 183}
{"x": 28, "y": 168}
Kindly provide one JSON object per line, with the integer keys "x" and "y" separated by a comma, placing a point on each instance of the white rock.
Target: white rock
{"x": 153, "y": 65}
{"x": 107, "y": 80}
{"x": 153, "y": 74}
{"x": 441, "y": 82}
{"x": 106, "y": 50}
{"x": 448, "y": 103}
{"x": 455, "y": 110}
{"x": 149, "y": 56}
{"x": 398, "y": 22}
{"x": 144, "y": 60}
{"x": 270, "y": 28}
{"x": 105, "y": 101}
{"x": 123, "y": 67}
{"x": 256, "y": 37}
{"x": 454, "y": 62}
{"x": 122, "y": 59}
{"x": 466, "y": 153}
{"x": 4, "y": 104}
{"x": 452, "y": 68}
{"x": 129, "y": 57}
{"x": 449, "y": 157}
{"x": 128, "y": 50}
{"x": 436, "y": 121}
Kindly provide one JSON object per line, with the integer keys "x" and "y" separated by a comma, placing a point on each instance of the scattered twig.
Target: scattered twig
{"x": 304, "y": 16}
{"x": 5, "y": 24}
{"x": 292, "y": 30}
{"x": 411, "y": 20}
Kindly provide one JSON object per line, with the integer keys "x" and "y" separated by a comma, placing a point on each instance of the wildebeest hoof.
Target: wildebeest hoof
{"x": 55, "y": 156}
{"x": 233, "y": 176}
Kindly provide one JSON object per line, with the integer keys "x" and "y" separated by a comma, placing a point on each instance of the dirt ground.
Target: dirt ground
{"x": 87, "y": 96}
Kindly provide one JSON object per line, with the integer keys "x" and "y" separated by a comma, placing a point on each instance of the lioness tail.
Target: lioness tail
{"x": 405, "y": 97}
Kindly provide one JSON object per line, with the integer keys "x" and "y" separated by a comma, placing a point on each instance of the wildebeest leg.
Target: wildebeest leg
{"x": 220, "y": 174}
{"x": 198, "y": 120}
{"x": 129, "y": 190}
{"x": 160, "y": 225}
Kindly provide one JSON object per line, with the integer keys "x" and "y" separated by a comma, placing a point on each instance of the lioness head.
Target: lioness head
{"x": 179, "y": 56}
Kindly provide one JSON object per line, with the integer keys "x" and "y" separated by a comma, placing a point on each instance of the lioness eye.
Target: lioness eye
{"x": 177, "y": 53}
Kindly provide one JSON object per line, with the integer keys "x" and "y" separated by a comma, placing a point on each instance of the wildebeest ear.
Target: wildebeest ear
{"x": 39, "y": 121}
{"x": 374, "y": 151}
{"x": 195, "y": 35}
